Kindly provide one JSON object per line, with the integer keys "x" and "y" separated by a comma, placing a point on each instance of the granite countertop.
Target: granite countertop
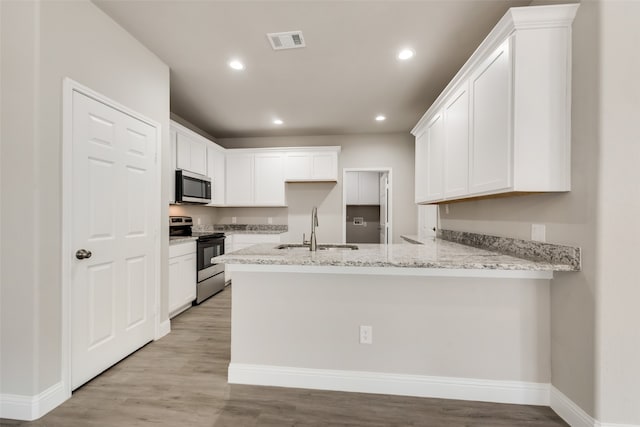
{"x": 176, "y": 240}
{"x": 232, "y": 232}
{"x": 436, "y": 253}
{"x": 230, "y": 229}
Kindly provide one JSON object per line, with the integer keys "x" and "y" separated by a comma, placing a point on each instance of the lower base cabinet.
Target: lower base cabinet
{"x": 182, "y": 277}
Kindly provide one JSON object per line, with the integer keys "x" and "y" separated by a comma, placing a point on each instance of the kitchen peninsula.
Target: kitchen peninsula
{"x": 439, "y": 319}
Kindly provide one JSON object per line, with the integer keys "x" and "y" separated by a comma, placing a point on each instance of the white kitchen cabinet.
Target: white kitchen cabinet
{"x": 311, "y": 164}
{"x": 421, "y": 166}
{"x": 456, "y": 151}
{"x": 182, "y": 276}
{"x": 173, "y": 135}
{"x": 191, "y": 154}
{"x": 363, "y": 188}
{"x": 269, "y": 179}
{"x": 502, "y": 125}
{"x": 254, "y": 178}
{"x": 435, "y": 157}
{"x": 216, "y": 172}
{"x": 239, "y": 179}
{"x": 490, "y": 140}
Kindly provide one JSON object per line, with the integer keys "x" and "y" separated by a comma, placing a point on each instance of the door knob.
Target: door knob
{"x": 83, "y": 253}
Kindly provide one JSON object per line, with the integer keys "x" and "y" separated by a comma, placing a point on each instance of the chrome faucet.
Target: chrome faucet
{"x": 312, "y": 242}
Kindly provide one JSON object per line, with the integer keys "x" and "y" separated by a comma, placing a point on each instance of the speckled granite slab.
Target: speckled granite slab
{"x": 244, "y": 228}
{"x": 436, "y": 254}
{"x": 527, "y": 249}
{"x": 176, "y": 240}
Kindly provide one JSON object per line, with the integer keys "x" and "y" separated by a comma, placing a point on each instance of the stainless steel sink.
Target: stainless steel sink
{"x": 328, "y": 247}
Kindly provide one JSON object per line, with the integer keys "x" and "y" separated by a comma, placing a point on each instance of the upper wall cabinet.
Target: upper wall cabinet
{"x": 191, "y": 154}
{"x": 311, "y": 164}
{"x": 216, "y": 171}
{"x": 197, "y": 154}
{"x": 503, "y": 124}
{"x": 362, "y": 188}
{"x": 255, "y": 178}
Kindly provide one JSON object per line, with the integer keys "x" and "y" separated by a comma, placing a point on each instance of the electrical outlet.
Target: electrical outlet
{"x": 366, "y": 334}
{"x": 233, "y": 220}
{"x": 199, "y": 221}
{"x": 446, "y": 209}
{"x": 269, "y": 220}
{"x": 538, "y": 232}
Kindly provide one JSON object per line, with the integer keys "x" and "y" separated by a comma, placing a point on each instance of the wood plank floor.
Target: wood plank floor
{"x": 181, "y": 380}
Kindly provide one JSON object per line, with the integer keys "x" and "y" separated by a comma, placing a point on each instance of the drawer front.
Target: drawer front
{"x": 182, "y": 249}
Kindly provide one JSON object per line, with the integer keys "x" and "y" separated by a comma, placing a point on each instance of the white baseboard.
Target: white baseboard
{"x": 574, "y": 415}
{"x": 599, "y": 424}
{"x": 163, "y": 329}
{"x": 525, "y": 393}
{"x": 29, "y": 408}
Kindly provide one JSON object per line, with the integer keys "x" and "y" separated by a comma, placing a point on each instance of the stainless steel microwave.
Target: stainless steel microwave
{"x": 192, "y": 187}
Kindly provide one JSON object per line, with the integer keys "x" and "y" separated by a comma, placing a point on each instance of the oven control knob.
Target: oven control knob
{"x": 83, "y": 253}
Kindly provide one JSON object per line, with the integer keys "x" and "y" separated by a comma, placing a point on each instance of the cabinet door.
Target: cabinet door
{"x": 421, "y": 167}
{"x": 435, "y": 158}
{"x": 325, "y": 166}
{"x": 172, "y": 169}
{"x": 456, "y": 155}
{"x": 182, "y": 281}
{"x": 216, "y": 172}
{"x": 191, "y": 154}
{"x": 490, "y": 167}
{"x": 298, "y": 166}
{"x": 239, "y": 179}
{"x": 351, "y": 187}
{"x": 174, "y": 284}
{"x": 269, "y": 179}
{"x": 368, "y": 188}
{"x": 183, "y": 152}
{"x": 198, "y": 154}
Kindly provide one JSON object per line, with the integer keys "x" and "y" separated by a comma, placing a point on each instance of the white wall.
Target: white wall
{"x": 358, "y": 151}
{"x": 595, "y": 340}
{"x": 496, "y": 329}
{"x": 42, "y": 43}
{"x": 618, "y": 279}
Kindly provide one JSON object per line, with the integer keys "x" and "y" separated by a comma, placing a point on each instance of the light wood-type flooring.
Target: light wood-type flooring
{"x": 181, "y": 380}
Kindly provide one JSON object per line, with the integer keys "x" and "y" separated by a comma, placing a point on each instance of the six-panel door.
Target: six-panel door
{"x": 114, "y": 179}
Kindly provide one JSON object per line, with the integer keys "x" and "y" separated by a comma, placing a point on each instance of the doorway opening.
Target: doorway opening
{"x": 367, "y": 205}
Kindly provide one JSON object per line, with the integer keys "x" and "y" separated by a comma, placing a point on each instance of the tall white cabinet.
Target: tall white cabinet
{"x": 216, "y": 171}
{"x": 502, "y": 125}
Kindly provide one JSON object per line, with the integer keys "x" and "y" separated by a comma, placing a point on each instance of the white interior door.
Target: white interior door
{"x": 384, "y": 207}
{"x": 113, "y": 290}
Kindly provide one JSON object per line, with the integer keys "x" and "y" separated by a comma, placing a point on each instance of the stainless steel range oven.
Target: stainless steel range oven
{"x": 210, "y": 276}
{"x": 209, "y": 244}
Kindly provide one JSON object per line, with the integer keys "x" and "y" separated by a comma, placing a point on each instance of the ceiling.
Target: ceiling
{"x": 346, "y": 75}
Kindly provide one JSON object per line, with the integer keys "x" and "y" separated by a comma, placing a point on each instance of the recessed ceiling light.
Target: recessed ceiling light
{"x": 405, "y": 54}
{"x": 277, "y": 122}
{"x": 380, "y": 118}
{"x": 236, "y": 65}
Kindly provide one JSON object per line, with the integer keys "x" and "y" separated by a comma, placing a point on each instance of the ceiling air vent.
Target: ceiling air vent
{"x": 286, "y": 40}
